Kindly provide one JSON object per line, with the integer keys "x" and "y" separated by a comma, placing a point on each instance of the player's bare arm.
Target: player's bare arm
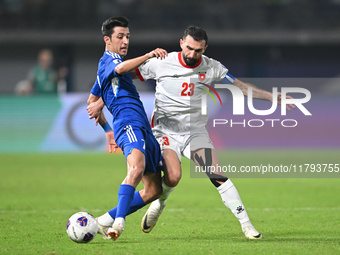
{"x": 132, "y": 64}
{"x": 259, "y": 93}
{"x": 95, "y": 105}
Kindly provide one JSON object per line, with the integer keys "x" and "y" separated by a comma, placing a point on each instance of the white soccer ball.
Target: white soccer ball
{"x": 82, "y": 227}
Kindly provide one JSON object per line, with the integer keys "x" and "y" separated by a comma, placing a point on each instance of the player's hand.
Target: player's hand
{"x": 111, "y": 141}
{"x": 158, "y": 53}
{"x": 94, "y": 110}
{"x": 289, "y": 106}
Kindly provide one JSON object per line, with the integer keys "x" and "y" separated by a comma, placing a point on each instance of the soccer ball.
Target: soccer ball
{"x": 82, "y": 227}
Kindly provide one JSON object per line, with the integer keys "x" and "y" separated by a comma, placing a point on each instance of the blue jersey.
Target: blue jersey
{"x": 130, "y": 123}
{"x": 119, "y": 95}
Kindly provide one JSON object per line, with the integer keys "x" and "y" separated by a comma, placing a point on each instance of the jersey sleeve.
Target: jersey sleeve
{"x": 222, "y": 73}
{"x": 145, "y": 70}
{"x": 111, "y": 66}
{"x": 96, "y": 91}
{"x": 220, "y": 70}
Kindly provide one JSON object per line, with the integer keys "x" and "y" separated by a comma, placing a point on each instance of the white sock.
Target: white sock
{"x": 105, "y": 220}
{"x": 120, "y": 222}
{"x": 232, "y": 200}
{"x": 166, "y": 192}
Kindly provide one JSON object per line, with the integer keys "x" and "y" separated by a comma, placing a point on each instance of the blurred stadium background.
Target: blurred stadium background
{"x": 256, "y": 39}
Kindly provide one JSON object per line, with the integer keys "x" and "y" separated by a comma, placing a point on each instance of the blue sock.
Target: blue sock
{"x": 136, "y": 203}
{"x": 125, "y": 196}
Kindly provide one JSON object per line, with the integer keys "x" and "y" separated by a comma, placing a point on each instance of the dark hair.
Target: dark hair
{"x": 109, "y": 24}
{"x": 197, "y": 33}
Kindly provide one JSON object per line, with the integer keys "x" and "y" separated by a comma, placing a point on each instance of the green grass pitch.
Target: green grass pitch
{"x": 38, "y": 193}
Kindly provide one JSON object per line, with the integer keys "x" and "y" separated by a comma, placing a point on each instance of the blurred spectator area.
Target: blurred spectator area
{"x": 265, "y": 38}
{"x": 165, "y": 14}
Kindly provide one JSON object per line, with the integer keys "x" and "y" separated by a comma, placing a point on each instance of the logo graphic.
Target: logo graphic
{"x": 201, "y": 76}
{"x": 208, "y": 92}
{"x": 238, "y": 99}
{"x": 239, "y": 209}
{"x": 145, "y": 226}
{"x": 82, "y": 221}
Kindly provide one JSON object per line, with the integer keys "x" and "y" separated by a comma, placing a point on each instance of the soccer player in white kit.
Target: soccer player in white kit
{"x": 179, "y": 126}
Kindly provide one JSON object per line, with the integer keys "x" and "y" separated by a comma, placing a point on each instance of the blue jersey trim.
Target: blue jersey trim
{"x": 228, "y": 79}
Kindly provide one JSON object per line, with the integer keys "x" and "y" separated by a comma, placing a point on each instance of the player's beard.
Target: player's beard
{"x": 190, "y": 61}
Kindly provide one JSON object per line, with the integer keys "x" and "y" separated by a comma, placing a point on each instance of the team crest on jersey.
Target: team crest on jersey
{"x": 201, "y": 76}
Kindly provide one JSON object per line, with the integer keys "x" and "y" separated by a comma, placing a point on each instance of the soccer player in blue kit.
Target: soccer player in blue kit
{"x": 131, "y": 128}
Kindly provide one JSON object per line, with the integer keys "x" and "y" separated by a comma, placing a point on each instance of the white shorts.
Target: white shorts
{"x": 182, "y": 144}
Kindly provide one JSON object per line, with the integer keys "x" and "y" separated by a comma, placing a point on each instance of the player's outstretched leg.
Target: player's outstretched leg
{"x": 152, "y": 190}
{"x": 228, "y": 192}
{"x": 172, "y": 175}
{"x": 106, "y": 220}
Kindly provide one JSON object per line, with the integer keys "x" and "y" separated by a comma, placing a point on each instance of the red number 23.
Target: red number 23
{"x": 188, "y": 89}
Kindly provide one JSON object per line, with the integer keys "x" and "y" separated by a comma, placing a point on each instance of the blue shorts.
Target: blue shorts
{"x": 139, "y": 138}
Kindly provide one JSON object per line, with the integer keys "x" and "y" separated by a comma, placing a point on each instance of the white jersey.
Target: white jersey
{"x": 179, "y": 89}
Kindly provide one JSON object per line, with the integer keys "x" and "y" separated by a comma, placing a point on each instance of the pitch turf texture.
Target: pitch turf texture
{"x": 40, "y": 192}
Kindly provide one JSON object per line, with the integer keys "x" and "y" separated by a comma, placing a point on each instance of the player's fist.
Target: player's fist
{"x": 279, "y": 98}
{"x": 94, "y": 110}
{"x": 111, "y": 142}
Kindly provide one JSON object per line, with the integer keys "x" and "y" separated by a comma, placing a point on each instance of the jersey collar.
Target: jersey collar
{"x": 186, "y": 66}
{"x": 114, "y": 55}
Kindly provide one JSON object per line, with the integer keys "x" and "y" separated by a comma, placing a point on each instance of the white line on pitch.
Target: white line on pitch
{"x": 26, "y": 211}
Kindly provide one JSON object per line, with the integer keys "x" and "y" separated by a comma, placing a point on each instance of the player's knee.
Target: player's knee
{"x": 135, "y": 174}
{"x": 173, "y": 179}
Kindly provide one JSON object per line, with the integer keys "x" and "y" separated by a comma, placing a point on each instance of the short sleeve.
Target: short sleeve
{"x": 111, "y": 67}
{"x": 144, "y": 71}
{"x": 96, "y": 91}
{"x": 220, "y": 71}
